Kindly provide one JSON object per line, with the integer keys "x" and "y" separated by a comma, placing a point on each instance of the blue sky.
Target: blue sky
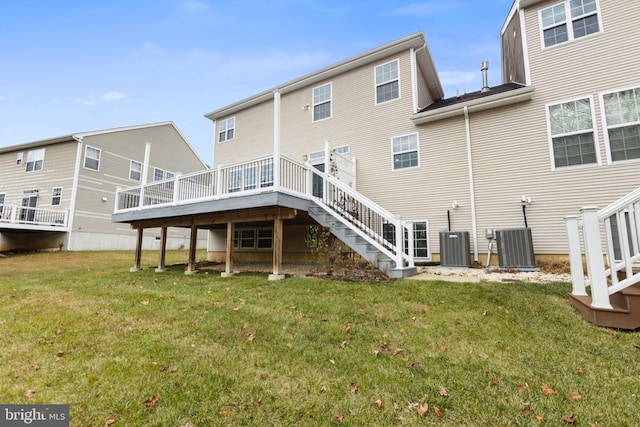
{"x": 82, "y": 65}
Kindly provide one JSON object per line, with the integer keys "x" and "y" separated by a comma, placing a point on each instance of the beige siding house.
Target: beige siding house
{"x": 371, "y": 148}
{"x": 59, "y": 192}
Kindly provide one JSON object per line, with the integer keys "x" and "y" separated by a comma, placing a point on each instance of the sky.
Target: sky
{"x": 71, "y": 66}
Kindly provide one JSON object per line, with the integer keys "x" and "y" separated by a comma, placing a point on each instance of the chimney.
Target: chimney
{"x": 485, "y": 77}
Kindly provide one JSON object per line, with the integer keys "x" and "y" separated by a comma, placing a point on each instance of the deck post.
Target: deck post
{"x": 277, "y": 249}
{"x": 228, "y": 267}
{"x": 399, "y": 243}
{"x": 411, "y": 244}
{"x": 138, "y": 256}
{"x": 163, "y": 250}
{"x": 595, "y": 257}
{"x": 575, "y": 256}
{"x": 276, "y": 139}
{"x": 193, "y": 240}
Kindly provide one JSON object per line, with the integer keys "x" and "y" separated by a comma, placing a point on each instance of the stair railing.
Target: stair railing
{"x": 619, "y": 223}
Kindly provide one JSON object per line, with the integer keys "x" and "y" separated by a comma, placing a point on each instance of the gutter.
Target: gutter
{"x": 485, "y": 103}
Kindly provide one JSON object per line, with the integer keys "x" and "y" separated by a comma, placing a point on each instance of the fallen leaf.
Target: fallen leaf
{"x": 376, "y": 352}
{"x": 222, "y": 413}
{"x": 402, "y": 331}
{"x": 333, "y": 362}
{"x": 523, "y": 387}
{"x": 443, "y": 391}
{"x": 547, "y": 390}
{"x": 526, "y": 408}
{"x": 539, "y": 417}
{"x": 637, "y": 346}
{"x": 150, "y": 403}
{"x": 289, "y": 345}
{"x": 438, "y": 412}
{"x": 236, "y": 309}
{"x": 340, "y": 417}
{"x": 110, "y": 420}
{"x": 30, "y": 393}
{"x": 60, "y": 353}
{"x": 354, "y": 388}
{"x": 323, "y": 389}
{"x": 423, "y": 409}
{"x": 579, "y": 371}
{"x": 145, "y": 302}
{"x": 574, "y": 395}
{"x": 485, "y": 312}
{"x": 397, "y": 351}
{"x": 343, "y": 344}
{"x": 570, "y": 419}
{"x": 346, "y": 328}
{"x": 378, "y": 403}
{"x": 250, "y": 337}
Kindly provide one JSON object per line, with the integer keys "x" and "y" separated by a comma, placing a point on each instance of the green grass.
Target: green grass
{"x": 80, "y": 329}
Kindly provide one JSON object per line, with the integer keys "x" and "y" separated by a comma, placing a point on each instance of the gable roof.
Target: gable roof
{"x": 416, "y": 41}
{"x": 77, "y": 137}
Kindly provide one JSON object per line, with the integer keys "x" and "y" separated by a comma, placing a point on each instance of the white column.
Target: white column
{"x": 176, "y": 188}
{"x": 575, "y": 255}
{"x": 595, "y": 257}
{"x": 145, "y": 170}
{"x": 411, "y": 248}
{"x": 276, "y": 140}
{"x": 472, "y": 191}
{"x": 399, "y": 243}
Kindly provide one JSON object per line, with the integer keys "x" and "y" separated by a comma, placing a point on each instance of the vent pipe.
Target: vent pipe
{"x": 485, "y": 77}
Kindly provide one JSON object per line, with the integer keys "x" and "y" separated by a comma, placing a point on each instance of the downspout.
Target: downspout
{"x": 472, "y": 194}
{"x": 74, "y": 191}
{"x": 276, "y": 140}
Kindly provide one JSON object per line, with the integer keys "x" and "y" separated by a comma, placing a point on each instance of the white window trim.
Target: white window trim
{"x": 3, "y": 201}
{"x": 237, "y": 238}
{"x": 19, "y": 158}
{"x": 155, "y": 169}
{"x": 218, "y": 131}
{"x": 394, "y": 153}
{"x": 53, "y": 195}
{"x": 131, "y": 170}
{"x": 569, "y": 22}
{"x": 35, "y": 161}
{"x": 596, "y": 142}
{"x": 375, "y": 84}
{"x": 428, "y": 258}
{"x": 84, "y": 159}
{"x": 330, "y": 101}
{"x": 605, "y": 126}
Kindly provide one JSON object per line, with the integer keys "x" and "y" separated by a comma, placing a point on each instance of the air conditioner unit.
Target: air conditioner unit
{"x": 515, "y": 249}
{"x": 454, "y": 249}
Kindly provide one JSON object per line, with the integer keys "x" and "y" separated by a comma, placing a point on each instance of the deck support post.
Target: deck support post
{"x": 575, "y": 256}
{"x": 595, "y": 257}
{"x": 138, "y": 256}
{"x": 163, "y": 250}
{"x": 277, "y": 249}
{"x": 193, "y": 240}
{"x": 228, "y": 267}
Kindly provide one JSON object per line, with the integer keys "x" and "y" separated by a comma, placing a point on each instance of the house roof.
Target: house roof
{"x": 416, "y": 41}
{"x": 497, "y": 96}
{"x": 78, "y": 137}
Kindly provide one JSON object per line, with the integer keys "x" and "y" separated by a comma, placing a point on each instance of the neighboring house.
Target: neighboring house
{"x": 59, "y": 192}
{"x": 405, "y": 169}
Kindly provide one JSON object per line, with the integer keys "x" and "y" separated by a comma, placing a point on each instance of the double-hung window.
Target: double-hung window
{"x": 35, "y": 160}
{"x": 158, "y": 174}
{"x": 135, "y": 170}
{"x": 92, "y": 158}
{"x": 322, "y": 102}
{"x": 2, "y": 200}
{"x": 19, "y": 159}
{"x": 622, "y": 115}
{"x": 572, "y": 134}
{"x": 569, "y": 20}
{"x": 405, "y": 151}
{"x": 227, "y": 129}
{"x": 387, "y": 82}
{"x": 56, "y": 196}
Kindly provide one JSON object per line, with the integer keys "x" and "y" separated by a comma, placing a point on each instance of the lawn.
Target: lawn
{"x": 167, "y": 349}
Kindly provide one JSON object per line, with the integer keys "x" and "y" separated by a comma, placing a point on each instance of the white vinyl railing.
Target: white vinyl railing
{"x": 619, "y": 223}
{"x": 22, "y": 215}
{"x": 379, "y": 227}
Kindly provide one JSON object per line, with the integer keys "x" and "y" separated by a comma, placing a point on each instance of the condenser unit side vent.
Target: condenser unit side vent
{"x": 454, "y": 249}
{"x": 515, "y": 249}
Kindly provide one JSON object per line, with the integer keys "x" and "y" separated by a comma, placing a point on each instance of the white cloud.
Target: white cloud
{"x": 86, "y": 101}
{"x": 113, "y": 96}
{"x": 195, "y": 5}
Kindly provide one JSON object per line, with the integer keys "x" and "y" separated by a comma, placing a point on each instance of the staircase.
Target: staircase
{"x": 612, "y": 275}
{"x": 359, "y": 243}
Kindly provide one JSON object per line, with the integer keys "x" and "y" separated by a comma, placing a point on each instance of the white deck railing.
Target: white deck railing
{"x": 21, "y": 215}
{"x": 379, "y": 227}
{"x": 619, "y": 223}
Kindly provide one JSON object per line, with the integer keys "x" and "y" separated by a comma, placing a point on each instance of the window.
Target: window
{"x": 251, "y": 238}
{"x": 35, "y": 159}
{"x": 265, "y": 238}
{"x": 3, "y": 196}
{"x": 622, "y": 116}
{"x": 158, "y": 174}
{"x": 135, "y": 170}
{"x": 405, "y": 151}
{"x": 569, "y": 20}
{"x": 572, "y": 135}
{"x": 56, "y": 196}
{"x": 227, "y": 130}
{"x": 420, "y": 239}
{"x": 387, "y": 82}
{"x": 92, "y": 158}
{"x": 322, "y": 102}
{"x": 19, "y": 159}
{"x": 345, "y": 149}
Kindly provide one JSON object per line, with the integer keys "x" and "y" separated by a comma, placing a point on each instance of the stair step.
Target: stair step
{"x": 620, "y": 316}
